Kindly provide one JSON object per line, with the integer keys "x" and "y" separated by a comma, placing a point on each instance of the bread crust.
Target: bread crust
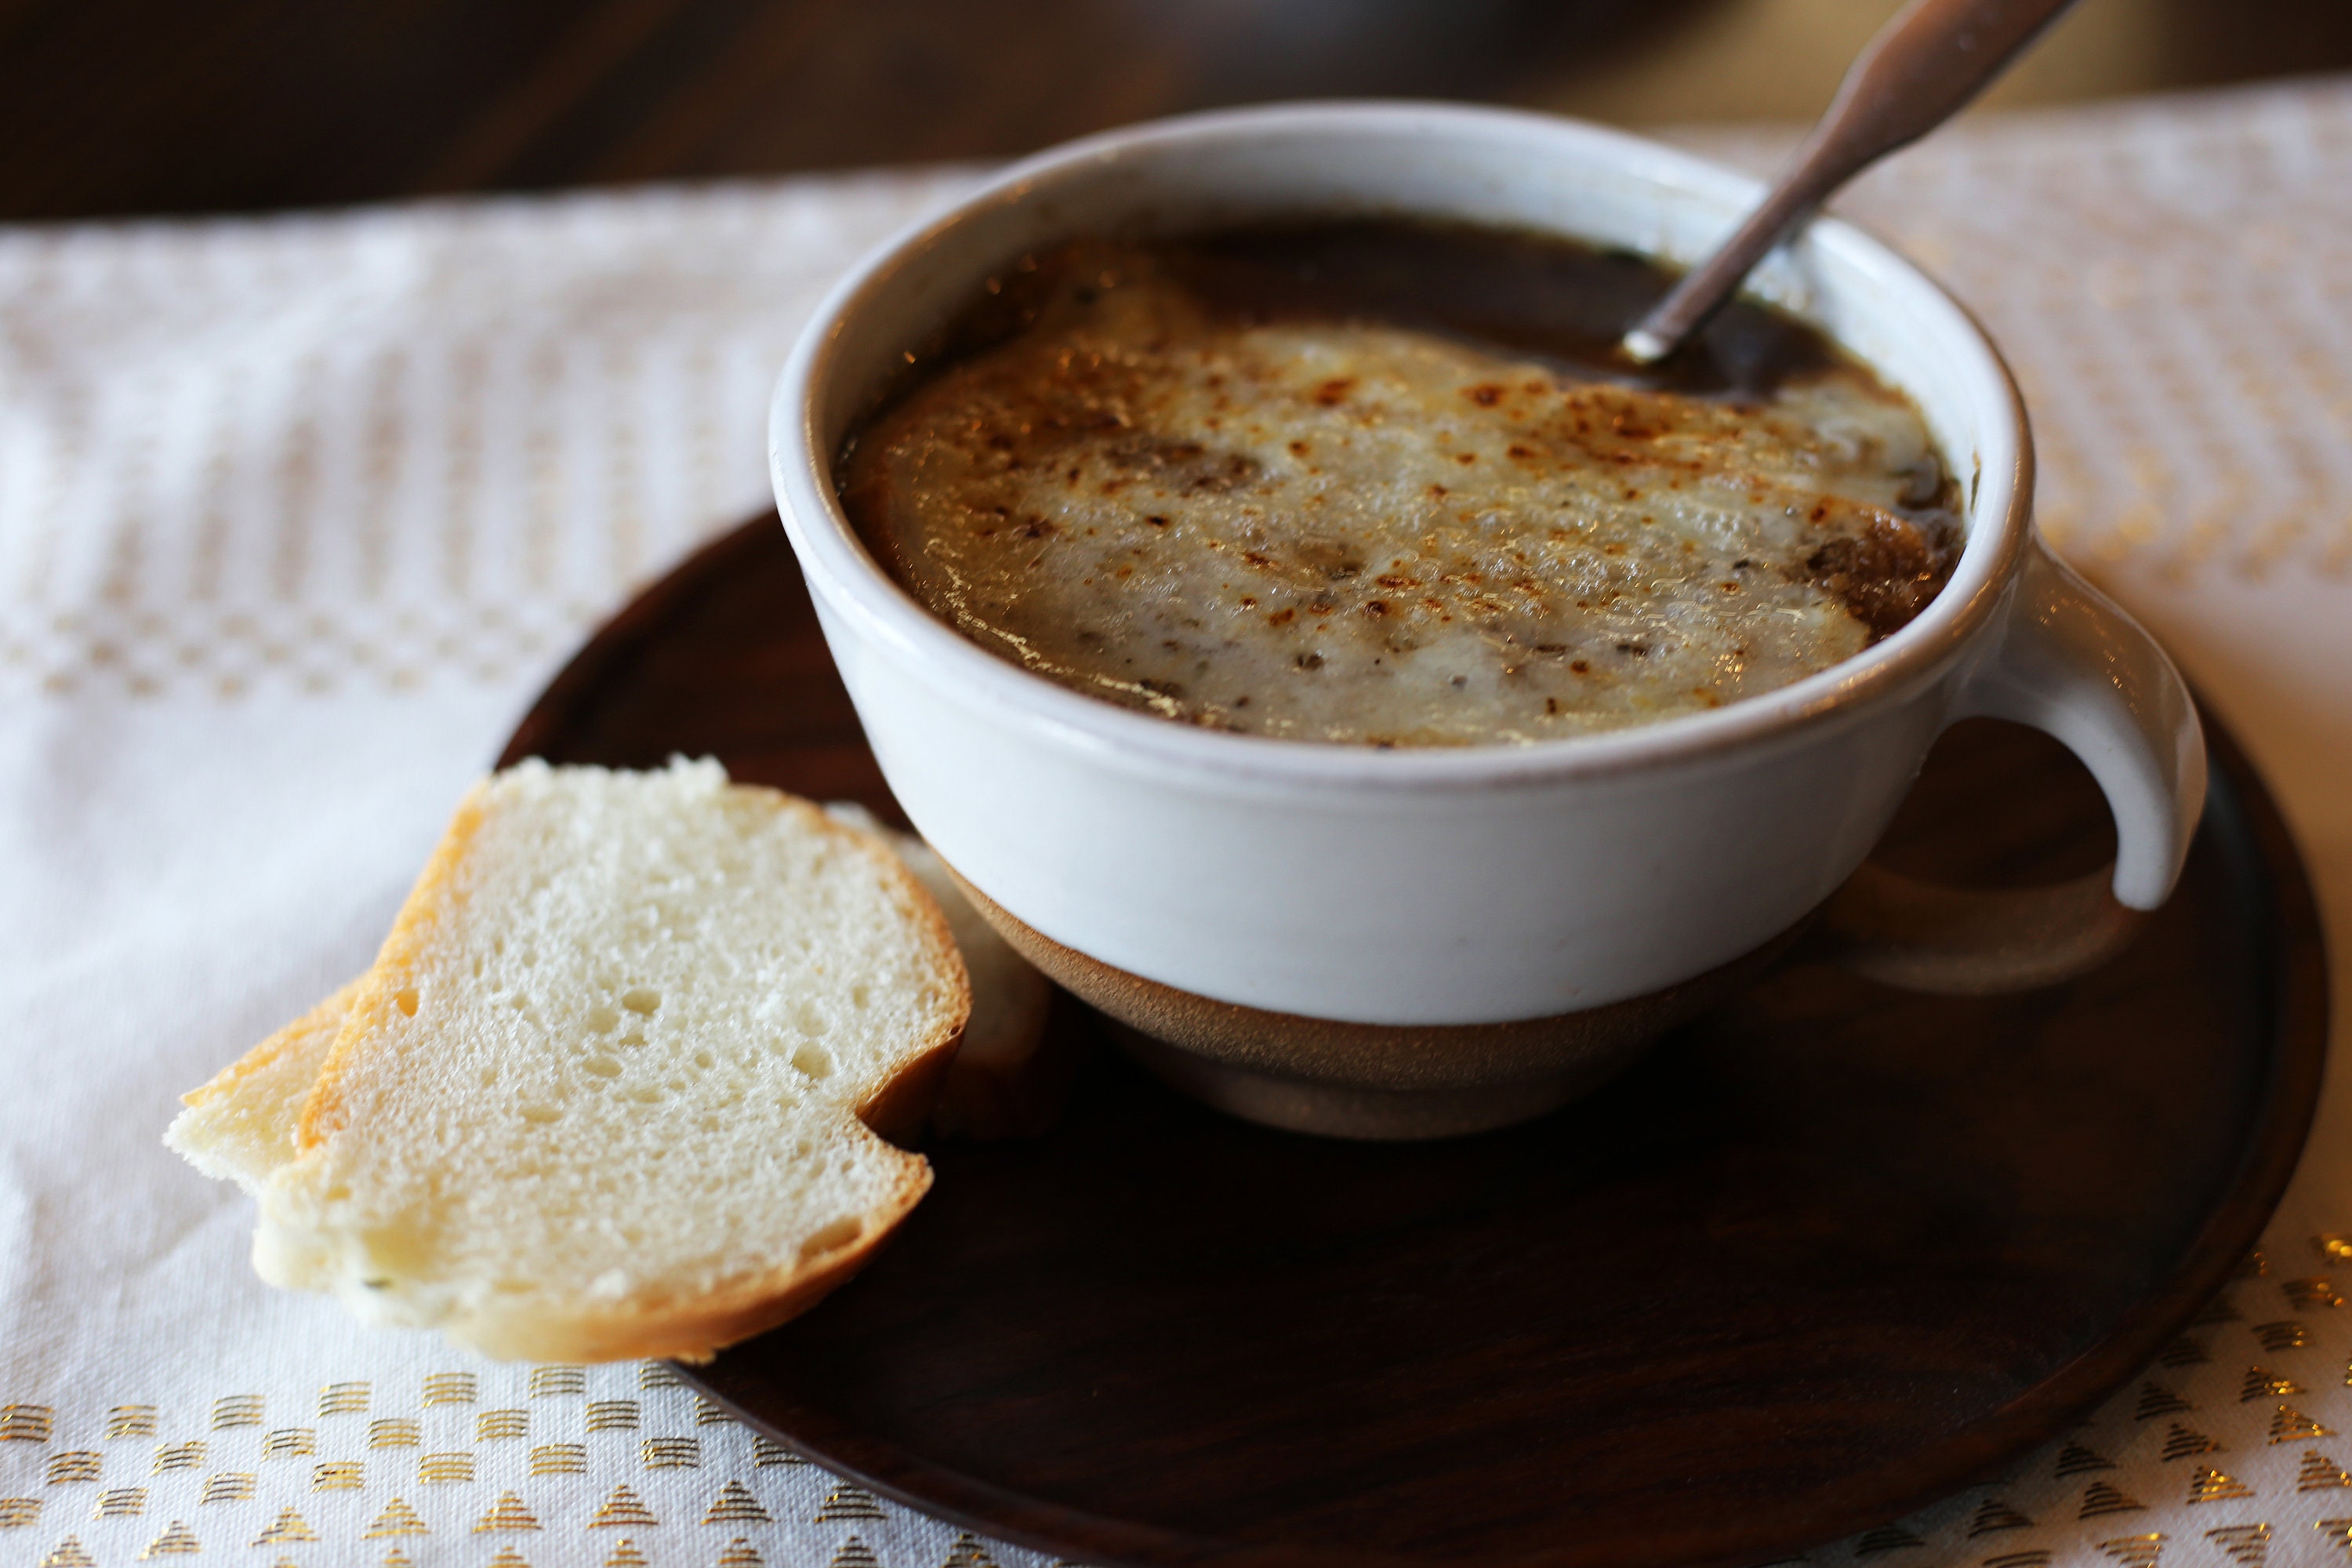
{"x": 372, "y": 998}
{"x": 333, "y": 1010}
{"x": 697, "y": 1330}
{"x": 682, "y": 1328}
{"x": 898, "y": 1107}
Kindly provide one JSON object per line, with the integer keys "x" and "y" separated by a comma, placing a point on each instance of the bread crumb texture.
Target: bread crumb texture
{"x": 600, "y": 1095}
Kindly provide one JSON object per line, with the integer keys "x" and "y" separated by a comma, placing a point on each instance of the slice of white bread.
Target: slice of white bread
{"x": 1000, "y": 1084}
{"x": 241, "y": 1126}
{"x": 606, "y": 1092}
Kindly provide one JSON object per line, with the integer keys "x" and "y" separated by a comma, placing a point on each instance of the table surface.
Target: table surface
{"x": 115, "y": 107}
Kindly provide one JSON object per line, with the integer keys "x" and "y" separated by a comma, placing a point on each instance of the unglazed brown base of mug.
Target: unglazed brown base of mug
{"x": 1371, "y": 1080}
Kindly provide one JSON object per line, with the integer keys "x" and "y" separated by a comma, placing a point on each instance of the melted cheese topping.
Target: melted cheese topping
{"x": 1353, "y": 533}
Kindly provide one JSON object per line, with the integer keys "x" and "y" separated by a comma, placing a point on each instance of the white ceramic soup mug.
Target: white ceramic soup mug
{"x": 1408, "y": 943}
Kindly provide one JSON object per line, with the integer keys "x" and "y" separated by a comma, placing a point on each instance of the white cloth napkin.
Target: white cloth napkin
{"x": 297, "y": 514}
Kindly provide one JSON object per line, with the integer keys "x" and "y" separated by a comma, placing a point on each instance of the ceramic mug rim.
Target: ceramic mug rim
{"x": 852, "y": 583}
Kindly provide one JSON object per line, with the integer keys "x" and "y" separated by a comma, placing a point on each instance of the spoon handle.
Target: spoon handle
{"x": 1919, "y": 71}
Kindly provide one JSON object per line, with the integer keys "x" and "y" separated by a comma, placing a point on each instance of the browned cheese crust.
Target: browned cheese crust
{"x": 1349, "y": 530}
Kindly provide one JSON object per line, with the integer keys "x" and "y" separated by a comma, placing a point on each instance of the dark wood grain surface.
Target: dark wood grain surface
{"x": 1824, "y": 1256}
{"x": 155, "y": 106}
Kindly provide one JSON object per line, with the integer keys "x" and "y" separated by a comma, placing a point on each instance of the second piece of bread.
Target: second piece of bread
{"x": 605, "y": 1091}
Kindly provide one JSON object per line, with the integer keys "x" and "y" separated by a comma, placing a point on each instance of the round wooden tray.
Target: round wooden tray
{"x": 1823, "y": 1256}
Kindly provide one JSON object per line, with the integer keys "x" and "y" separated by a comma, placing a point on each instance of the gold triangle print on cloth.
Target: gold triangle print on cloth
{"x": 2100, "y": 1499}
{"x": 736, "y": 1505}
{"x": 290, "y": 1526}
{"x": 188, "y": 1456}
{"x": 559, "y": 1459}
{"x": 854, "y": 1553}
{"x": 17, "y": 1512}
{"x": 396, "y": 1432}
{"x": 847, "y": 1502}
{"x": 229, "y": 1486}
{"x": 1886, "y": 1538}
{"x": 2248, "y": 1544}
{"x": 454, "y": 1387}
{"x": 31, "y": 1424}
{"x": 2182, "y": 1442}
{"x": 2031, "y": 1557}
{"x": 2291, "y": 1425}
{"x": 344, "y": 1399}
{"x": 499, "y": 1425}
{"x": 2135, "y": 1551}
{"x": 69, "y": 1553}
{"x": 740, "y": 1553}
{"x": 612, "y": 1416}
{"x": 556, "y": 1381}
{"x": 339, "y": 1476}
{"x": 1993, "y": 1515}
{"x": 2209, "y": 1485}
{"x": 73, "y": 1466}
{"x": 2286, "y": 1334}
{"x": 2074, "y": 1459}
{"x": 2319, "y": 1473}
{"x": 396, "y": 1558}
{"x": 506, "y": 1557}
{"x": 671, "y": 1453}
{"x": 236, "y": 1410}
{"x": 2315, "y": 1293}
{"x": 2183, "y": 1352}
{"x": 624, "y": 1507}
{"x": 506, "y": 1513}
{"x": 2155, "y": 1400}
{"x": 454, "y": 1468}
{"x": 120, "y": 1502}
{"x": 626, "y": 1555}
{"x": 968, "y": 1552}
{"x": 289, "y": 1443}
{"x": 131, "y": 1421}
{"x": 177, "y": 1541}
{"x": 397, "y": 1519}
{"x": 2261, "y": 1385}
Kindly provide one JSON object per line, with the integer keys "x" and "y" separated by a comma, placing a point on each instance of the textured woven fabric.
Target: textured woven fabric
{"x": 297, "y": 514}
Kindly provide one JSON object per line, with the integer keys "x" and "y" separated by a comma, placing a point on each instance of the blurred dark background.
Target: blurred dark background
{"x": 179, "y": 106}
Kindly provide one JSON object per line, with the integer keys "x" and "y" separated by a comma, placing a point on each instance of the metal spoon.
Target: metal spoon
{"x": 1916, "y": 73}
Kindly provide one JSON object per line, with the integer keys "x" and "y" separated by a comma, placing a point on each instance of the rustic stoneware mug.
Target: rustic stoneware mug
{"x": 1416, "y": 942}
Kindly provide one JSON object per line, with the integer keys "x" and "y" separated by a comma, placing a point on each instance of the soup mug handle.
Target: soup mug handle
{"x": 2072, "y": 665}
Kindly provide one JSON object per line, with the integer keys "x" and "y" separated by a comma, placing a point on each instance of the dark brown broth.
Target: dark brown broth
{"x": 1556, "y": 301}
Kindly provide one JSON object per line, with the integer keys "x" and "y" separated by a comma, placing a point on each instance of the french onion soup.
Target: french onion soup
{"x": 1380, "y": 482}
